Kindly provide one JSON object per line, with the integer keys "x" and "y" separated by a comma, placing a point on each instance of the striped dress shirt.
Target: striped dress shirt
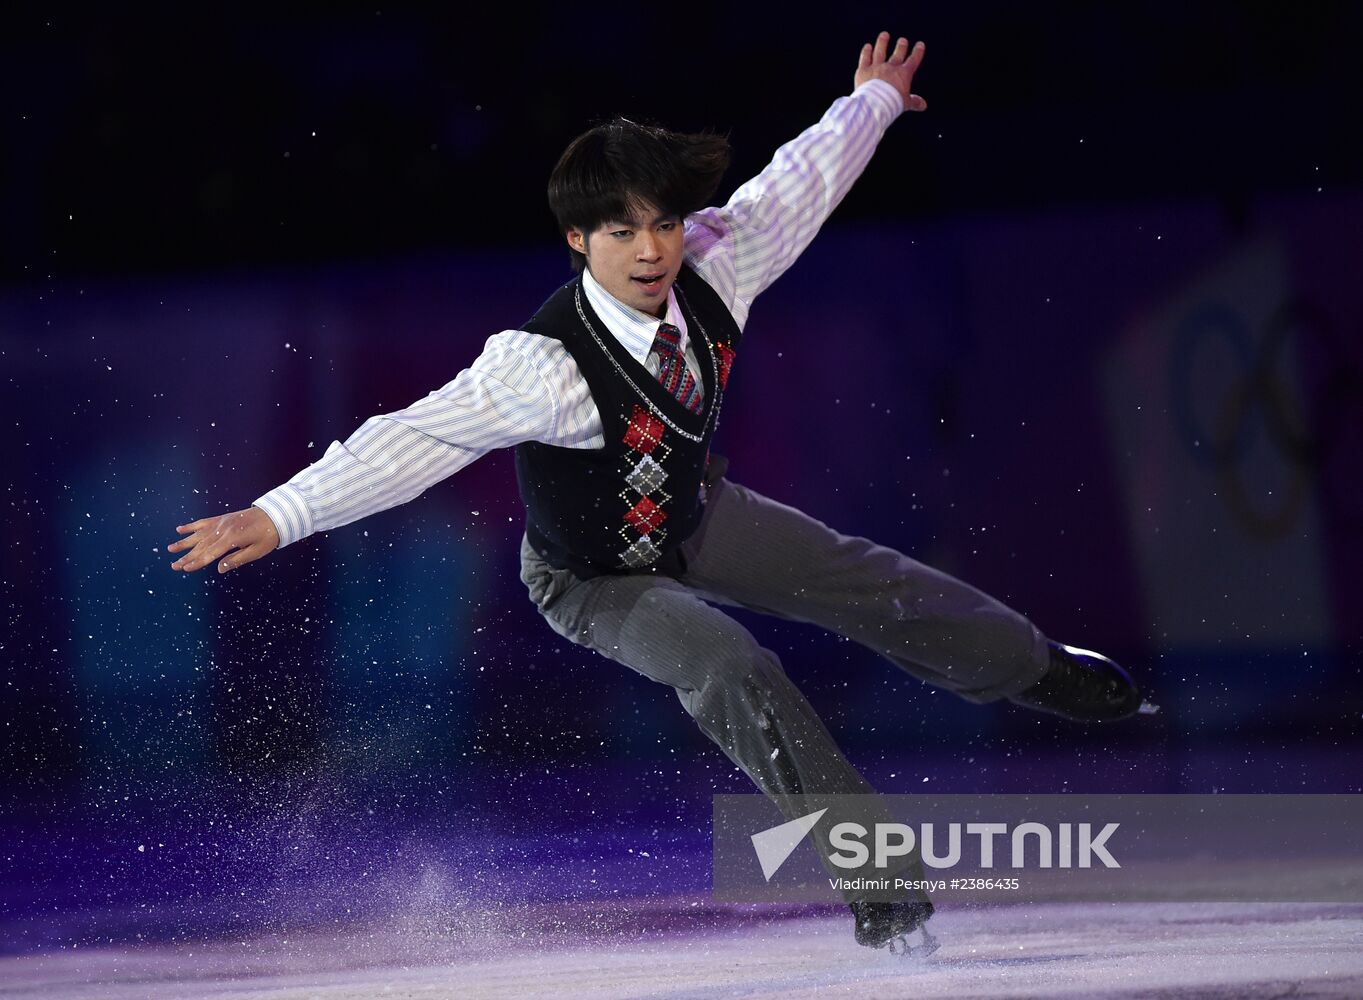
{"x": 525, "y": 387}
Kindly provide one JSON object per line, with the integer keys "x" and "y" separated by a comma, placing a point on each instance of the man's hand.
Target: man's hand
{"x": 248, "y": 534}
{"x": 896, "y": 69}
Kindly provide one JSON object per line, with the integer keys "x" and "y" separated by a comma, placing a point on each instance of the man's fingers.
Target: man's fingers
{"x": 915, "y": 57}
{"x": 247, "y": 535}
{"x": 190, "y": 561}
{"x": 205, "y": 553}
{"x": 183, "y": 562}
{"x": 901, "y": 50}
{"x": 916, "y": 103}
{"x": 865, "y": 61}
{"x": 882, "y": 46}
{"x": 242, "y": 556}
{"x": 189, "y": 542}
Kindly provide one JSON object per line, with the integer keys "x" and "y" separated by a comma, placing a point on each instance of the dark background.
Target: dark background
{"x": 156, "y": 141}
{"x": 1088, "y": 333}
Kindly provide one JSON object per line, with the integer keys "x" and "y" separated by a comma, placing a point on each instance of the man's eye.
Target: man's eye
{"x": 620, "y": 232}
{"x": 667, "y": 227}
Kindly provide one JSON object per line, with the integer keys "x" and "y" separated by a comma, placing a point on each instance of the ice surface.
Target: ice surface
{"x": 688, "y": 948}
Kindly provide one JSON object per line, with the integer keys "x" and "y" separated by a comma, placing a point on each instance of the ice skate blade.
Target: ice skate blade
{"x": 1148, "y": 708}
{"x": 928, "y": 945}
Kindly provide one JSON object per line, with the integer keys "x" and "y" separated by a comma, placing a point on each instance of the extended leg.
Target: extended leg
{"x": 757, "y": 553}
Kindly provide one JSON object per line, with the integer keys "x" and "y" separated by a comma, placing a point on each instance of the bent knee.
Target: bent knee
{"x": 739, "y": 680}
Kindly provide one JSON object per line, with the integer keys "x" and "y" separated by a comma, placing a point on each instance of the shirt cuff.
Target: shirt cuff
{"x": 884, "y": 95}
{"x": 286, "y": 507}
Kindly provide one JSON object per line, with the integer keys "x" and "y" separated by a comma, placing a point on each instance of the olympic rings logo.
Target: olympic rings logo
{"x": 1302, "y": 418}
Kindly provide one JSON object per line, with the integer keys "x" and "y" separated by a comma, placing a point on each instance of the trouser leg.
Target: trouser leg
{"x": 735, "y": 690}
{"x": 757, "y": 553}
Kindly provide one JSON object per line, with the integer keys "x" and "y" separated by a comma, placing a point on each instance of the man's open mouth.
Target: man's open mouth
{"x": 650, "y": 281}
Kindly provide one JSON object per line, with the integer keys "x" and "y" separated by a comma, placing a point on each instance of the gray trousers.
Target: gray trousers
{"x": 755, "y": 553}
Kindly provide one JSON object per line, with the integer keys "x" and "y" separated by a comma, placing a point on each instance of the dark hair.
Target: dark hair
{"x": 607, "y": 171}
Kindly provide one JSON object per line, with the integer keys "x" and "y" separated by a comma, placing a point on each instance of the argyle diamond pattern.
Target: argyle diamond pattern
{"x": 726, "y": 361}
{"x": 642, "y": 553}
{"x": 647, "y": 476}
{"x": 645, "y": 515}
{"x": 645, "y": 431}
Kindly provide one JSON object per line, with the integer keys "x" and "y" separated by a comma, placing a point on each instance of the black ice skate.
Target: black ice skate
{"x": 880, "y": 925}
{"x": 1084, "y": 686}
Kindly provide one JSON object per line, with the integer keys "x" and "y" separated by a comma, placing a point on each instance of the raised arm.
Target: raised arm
{"x": 747, "y": 244}
{"x": 501, "y": 400}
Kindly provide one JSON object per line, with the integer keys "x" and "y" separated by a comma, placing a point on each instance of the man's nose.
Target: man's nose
{"x": 649, "y": 248}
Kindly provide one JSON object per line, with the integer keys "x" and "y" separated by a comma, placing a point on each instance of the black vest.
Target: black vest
{"x": 624, "y": 507}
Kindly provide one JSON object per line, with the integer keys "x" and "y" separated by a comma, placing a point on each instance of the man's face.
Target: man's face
{"x": 635, "y": 259}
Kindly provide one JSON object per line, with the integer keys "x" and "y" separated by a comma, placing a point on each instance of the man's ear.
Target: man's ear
{"x": 577, "y": 240}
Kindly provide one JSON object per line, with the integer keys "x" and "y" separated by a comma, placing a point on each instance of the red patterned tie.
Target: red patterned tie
{"x": 672, "y": 371}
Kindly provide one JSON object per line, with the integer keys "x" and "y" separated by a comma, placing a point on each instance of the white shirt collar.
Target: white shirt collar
{"x": 634, "y": 330}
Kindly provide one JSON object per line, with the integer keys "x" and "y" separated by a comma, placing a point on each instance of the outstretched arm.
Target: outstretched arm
{"x": 502, "y": 399}
{"x": 747, "y": 244}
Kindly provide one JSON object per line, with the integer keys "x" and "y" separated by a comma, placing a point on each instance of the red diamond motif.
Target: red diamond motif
{"x": 645, "y": 431}
{"x": 645, "y": 516}
{"x": 726, "y": 360}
